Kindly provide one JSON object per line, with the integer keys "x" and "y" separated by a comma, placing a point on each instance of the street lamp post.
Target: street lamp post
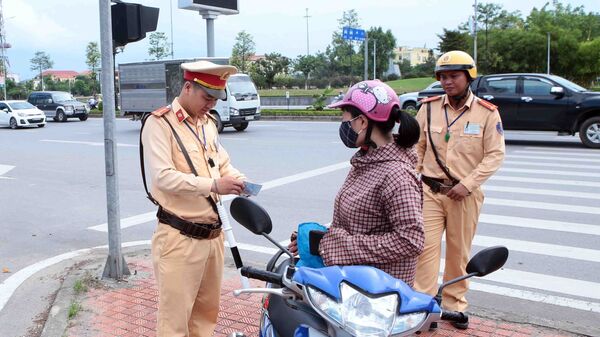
{"x": 475, "y": 32}
{"x": 307, "y": 45}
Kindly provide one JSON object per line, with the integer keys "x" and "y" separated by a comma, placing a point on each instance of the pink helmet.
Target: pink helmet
{"x": 373, "y": 98}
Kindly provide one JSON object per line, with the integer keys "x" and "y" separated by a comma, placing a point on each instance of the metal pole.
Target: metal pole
{"x": 475, "y": 33}
{"x": 366, "y": 45}
{"x": 41, "y": 77}
{"x": 548, "y": 67}
{"x": 171, "y": 10}
{"x": 307, "y": 48}
{"x": 210, "y": 37}
{"x": 374, "y": 59}
{"x": 3, "y": 42}
{"x": 115, "y": 263}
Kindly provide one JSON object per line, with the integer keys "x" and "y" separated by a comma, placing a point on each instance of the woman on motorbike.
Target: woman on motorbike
{"x": 377, "y": 216}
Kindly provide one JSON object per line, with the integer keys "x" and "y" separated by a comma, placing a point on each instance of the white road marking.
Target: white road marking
{"x": 85, "y": 143}
{"x": 528, "y": 180}
{"x": 151, "y": 216}
{"x": 553, "y": 159}
{"x": 542, "y": 205}
{"x": 561, "y": 149}
{"x": 560, "y": 153}
{"x": 5, "y": 169}
{"x": 536, "y": 191}
{"x": 552, "y": 172}
{"x": 561, "y": 226}
{"x": 549, "y": 283}
{"x": 532, "y": 163}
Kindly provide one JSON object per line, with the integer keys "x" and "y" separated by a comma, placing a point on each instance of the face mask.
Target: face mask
{"x": 347, "y": 134}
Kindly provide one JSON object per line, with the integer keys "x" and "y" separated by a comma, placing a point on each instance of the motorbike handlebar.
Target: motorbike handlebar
{"x": 262, "y": 275}
{"x": 454, "y": 316}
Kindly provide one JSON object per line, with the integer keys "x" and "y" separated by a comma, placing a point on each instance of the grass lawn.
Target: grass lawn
{"x": 400, "y": 86}
{"x": 411, "y": 84}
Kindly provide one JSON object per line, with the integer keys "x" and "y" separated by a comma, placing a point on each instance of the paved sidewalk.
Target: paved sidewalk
{"x": 128, "y": 309}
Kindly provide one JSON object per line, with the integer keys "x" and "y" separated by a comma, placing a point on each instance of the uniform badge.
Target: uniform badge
{"x": 179, "y": 115}
{"x": 499, "y": 128}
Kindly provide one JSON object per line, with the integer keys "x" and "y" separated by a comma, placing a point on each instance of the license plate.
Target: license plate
{"x": 249, "y": 118}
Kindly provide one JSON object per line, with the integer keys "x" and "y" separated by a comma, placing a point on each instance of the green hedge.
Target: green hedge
{"x": 307, "y": 112}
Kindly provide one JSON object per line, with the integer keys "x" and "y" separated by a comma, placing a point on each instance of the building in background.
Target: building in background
{"x": 415, "y": 56}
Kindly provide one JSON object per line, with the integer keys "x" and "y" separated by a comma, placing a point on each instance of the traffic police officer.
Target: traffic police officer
{"x": 460, "y": 147}
{"x": 189, "y": 169}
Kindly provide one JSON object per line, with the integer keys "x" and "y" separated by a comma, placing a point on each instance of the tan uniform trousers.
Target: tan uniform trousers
{"x": 188, "y": 276}
{"x": 459, "y": 220}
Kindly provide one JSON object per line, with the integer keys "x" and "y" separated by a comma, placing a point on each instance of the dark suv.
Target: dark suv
{"x": 541, "y": 102}
{"x": 58, "y": 105}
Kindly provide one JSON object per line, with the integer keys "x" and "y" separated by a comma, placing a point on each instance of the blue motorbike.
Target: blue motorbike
{"x": 343, "y": 301}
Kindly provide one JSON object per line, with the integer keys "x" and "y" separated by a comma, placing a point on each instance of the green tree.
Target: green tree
{"x": 158, "y": 47}
{"x": 306, "y": 64}
{"x": 243, "y": 49}
{"x": 588, "y": 56}
{"x": 384, "y": 49}
{"x": 342, "y": 56}
{"x": 453, "y": 40}
{"x": 92, "y": 57}
{"x": 41, "y": 61}
{"x": 271, "y": 65}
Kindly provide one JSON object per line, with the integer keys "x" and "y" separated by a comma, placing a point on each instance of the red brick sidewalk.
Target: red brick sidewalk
{"x": 129, "y": 309}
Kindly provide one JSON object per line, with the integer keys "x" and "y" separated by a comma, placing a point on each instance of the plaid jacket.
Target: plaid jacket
{"x": 378, "y": 214}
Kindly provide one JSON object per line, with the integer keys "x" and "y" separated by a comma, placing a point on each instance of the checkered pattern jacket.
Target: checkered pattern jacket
{"x": 378, "y": 214}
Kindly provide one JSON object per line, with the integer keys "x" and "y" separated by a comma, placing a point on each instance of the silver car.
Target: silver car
{"x": 409, "y": 100}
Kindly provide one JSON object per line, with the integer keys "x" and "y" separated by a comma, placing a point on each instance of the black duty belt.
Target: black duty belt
{"x": 188, "y": 228}
{"x": 437, "y": 185}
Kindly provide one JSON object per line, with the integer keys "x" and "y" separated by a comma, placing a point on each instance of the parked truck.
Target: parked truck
{"x": 146, "y": 86}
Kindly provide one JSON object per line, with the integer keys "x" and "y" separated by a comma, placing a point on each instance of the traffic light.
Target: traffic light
{"x": 131, "y": 22}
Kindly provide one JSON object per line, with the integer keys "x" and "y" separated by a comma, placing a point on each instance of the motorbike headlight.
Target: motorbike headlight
{"x": 408, "y": 322}
{"x": 234, "y": 111}
{"x": 367, "y": 316}
{"x": 325, "y": 304}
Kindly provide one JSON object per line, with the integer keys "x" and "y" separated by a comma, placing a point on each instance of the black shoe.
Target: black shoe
{"x": 433, "y": 326}
{"x": 461, "y": 326}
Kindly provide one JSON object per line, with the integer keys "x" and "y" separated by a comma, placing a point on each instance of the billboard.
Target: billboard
{"x": 221, "y": 6}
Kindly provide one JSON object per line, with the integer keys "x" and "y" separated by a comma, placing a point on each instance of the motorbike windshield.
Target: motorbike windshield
{"x": 368, "y": 279}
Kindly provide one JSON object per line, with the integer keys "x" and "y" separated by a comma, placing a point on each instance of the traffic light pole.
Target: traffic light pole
{"x": 115, "y": 266}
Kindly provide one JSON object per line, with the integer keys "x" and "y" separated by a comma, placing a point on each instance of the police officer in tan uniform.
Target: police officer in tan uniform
{"x": 189, "y": 169}
{"x": 460, "y": 147}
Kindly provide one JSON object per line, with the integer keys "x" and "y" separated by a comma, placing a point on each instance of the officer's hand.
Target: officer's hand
{"x": 228, "y": 185}
{"x": 293, "y": 246}
{"x": 458, "y": 192}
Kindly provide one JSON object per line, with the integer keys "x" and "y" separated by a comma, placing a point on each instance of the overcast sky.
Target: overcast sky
{"x": 62, "y": 28}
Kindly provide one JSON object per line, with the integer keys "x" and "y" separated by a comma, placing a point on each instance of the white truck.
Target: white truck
{"x": 147, "y": 86}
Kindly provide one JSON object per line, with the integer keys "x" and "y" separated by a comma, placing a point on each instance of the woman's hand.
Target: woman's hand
{"x": 293, "y": 246}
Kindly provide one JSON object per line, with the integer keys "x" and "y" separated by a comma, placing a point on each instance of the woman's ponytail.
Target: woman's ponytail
{"x": 408, "y": 131}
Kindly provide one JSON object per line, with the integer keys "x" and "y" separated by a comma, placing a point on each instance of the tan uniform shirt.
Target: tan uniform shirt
{"x": 475, "y": 149}
{"x": 174, "y": 185}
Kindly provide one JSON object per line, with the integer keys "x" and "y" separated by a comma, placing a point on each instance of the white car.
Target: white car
{"x": 16, "y": 114}
{"x": 409, "y": 100}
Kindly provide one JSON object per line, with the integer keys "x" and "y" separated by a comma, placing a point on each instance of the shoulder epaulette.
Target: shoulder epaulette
{"x": 161, "y": 111}
{"x": 487, "y": 104}
{"x": 210, "y": 116}
{"x": 430, "y": 99}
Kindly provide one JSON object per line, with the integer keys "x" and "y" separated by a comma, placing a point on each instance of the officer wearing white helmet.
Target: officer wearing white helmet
{"x": 461, "y": 146}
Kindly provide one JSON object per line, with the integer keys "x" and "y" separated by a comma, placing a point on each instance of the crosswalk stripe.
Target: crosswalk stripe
{"x": 535, "y": 297}
{"x": 560, "y": 149}
{"x": 551, "y": 172}
{"x": 561, "y": 182}
{"x": 532, "y": 163}
{"x": 561, "y": 226}
{"x": 553, "y": 159}
{"x": 559, "y": 153}
{"x": 568, "y": 252}
{"x": 535, "y": 191}
{"x": 542, "y": 205}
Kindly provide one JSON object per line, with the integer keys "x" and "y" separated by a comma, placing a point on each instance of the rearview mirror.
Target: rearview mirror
{"x": 251, "y": 215}
{"x": 557, "y": 91}
{"x": 487, "y": 261}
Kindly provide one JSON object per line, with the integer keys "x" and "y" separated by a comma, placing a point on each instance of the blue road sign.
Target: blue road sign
{"x": 349, "y": 33}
